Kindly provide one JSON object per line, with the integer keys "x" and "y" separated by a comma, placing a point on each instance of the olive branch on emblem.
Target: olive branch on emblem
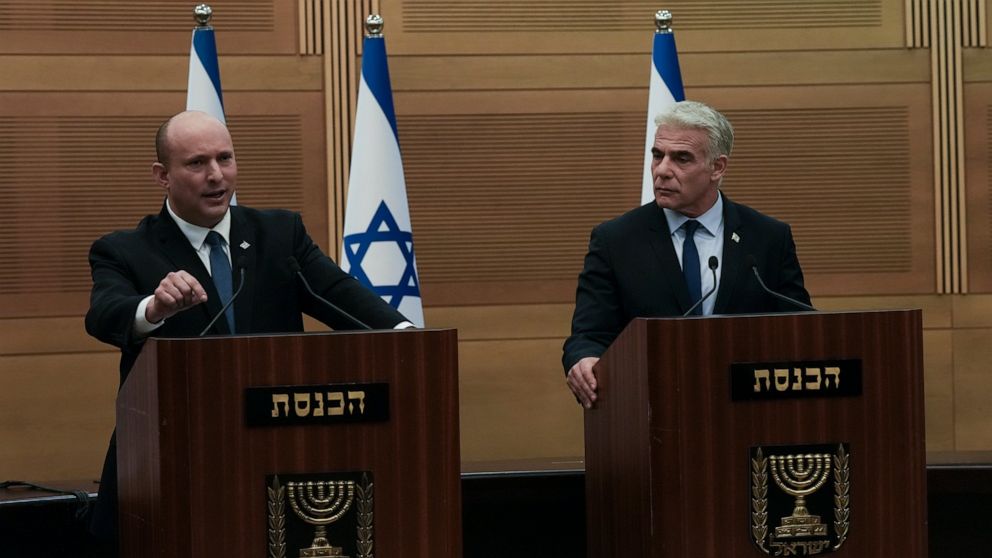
{"x": 277, "y": 519}
{"x": 759, "y": 499}
{"x": 365, "y": 490}
{"x": 842, "y": 498}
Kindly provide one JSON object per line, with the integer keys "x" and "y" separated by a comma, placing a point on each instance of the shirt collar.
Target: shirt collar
{"x": 196, "y": 234}
{"x": 710, "y": 220}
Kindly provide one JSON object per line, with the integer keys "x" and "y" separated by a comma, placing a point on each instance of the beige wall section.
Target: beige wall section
{"x": 520, "y": 132}
{"x": 56, "y": 414}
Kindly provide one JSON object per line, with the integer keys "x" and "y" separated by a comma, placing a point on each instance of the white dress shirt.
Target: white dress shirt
{"x": 709, "y": 242}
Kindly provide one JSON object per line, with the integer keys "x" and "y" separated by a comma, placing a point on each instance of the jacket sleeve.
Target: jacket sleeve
{"x": 334, "y": 284}
{"x": 114, "y": 298}
{"x": 790, "y": 275}
{"x": 597, "y": 319}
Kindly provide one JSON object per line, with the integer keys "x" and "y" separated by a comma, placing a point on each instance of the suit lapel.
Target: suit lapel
{"x": 243, "y": 251}
{"x": 733, "y": 255}
{"x": 176, "y": 247}
{"x": 660, "y": 238}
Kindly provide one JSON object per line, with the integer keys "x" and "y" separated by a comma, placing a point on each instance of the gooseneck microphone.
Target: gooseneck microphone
{"x": 241, "y": 284}
{"x": 294, "y": 266}
{"x": 713, "y": 263}
{"x": 753, "y": 264}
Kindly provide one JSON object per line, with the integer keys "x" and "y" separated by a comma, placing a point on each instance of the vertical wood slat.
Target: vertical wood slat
{"x": 982, "y": 25}
{"x": 960, "y": 185}
{"x": 917, "y": 23}
{"x": 973, "y": 21}
{"x": 311, "y": 27}
{"x": 953, "y": 25}
{"x": 344, "y": 31}
{"x": 950, "y": 114}
{"x": 910, "y": 8}
{"x": 940, "y": 221}
{"x": 302, "y": 15}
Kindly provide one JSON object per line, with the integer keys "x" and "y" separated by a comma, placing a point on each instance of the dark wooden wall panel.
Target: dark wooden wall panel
{"x": 77, "y": 166}
{"x": 592, "y": 26}
{"x": 978, "y": 134}
{"x": 441, "y": 16}
{"x": 144, "y": 26}
{"x": 502, "y": 204}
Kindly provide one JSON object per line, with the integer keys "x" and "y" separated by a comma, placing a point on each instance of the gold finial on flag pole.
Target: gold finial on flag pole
{"x": 374, "y": 25}
{"x": 663, "y": 21}
{"x": 202, "y": 14}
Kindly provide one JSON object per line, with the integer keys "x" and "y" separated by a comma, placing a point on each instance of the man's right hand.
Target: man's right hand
{"x": 582, "y": 381}
{"x": 176, "y": 292}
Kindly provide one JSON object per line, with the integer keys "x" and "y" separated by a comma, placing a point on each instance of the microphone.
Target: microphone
{"x": 241, "y": 284}
{"x": 713, "y": 263}
{"x": 753, "y": 264}
{"x": 294, "y": 266}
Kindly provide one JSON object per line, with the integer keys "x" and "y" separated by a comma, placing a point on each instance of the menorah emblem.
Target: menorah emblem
{"x": 321, "y": 503}
{"x": 799, "y": 476}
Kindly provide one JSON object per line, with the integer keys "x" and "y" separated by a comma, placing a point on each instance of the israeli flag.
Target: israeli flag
{"x": 377, "y": 248}
{"x": 665, "y": 89}
{"x": 203, "y": 91}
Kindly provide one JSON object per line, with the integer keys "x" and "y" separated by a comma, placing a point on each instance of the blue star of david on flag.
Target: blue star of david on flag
{"x": 383, "y": 228}
{"x": 377, "y": 240}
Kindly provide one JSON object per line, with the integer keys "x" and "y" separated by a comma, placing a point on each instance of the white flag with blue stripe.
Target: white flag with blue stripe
{"x": 665, "y": 89}
{"x": 203, "y": 92}
{"x": 377, "y": 248}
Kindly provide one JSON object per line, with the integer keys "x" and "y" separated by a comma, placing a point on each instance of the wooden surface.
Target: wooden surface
{"x": 193, "y": 477}
{"x": 665, "y": 422}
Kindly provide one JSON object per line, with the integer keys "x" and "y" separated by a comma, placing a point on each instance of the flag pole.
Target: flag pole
{"x": 665, "y": 88}
{"x": 377, "y": 238}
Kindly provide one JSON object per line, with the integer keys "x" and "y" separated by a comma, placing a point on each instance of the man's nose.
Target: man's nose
{"x": 661, "y": 168}
{"x": 213, "y": 171}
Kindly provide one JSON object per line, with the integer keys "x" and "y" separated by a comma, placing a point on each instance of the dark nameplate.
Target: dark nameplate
{"x": 792, "y": 380}
{"x": 317, "y": 404}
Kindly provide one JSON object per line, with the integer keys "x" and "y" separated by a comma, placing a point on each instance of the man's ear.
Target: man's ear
{"x": 161, "y": 175}
{"x": 719, "y": 167}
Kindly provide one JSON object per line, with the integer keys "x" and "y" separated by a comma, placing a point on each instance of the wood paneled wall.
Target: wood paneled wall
{"x": 520, "y": 124}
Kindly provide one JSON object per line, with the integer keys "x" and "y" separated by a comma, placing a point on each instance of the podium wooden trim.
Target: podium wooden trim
{"x": 193, "y": 476}
{"x": 667, "y": 451}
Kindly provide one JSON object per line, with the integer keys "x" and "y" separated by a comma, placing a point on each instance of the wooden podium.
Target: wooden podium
{"x": 196, "y": 480}
{"x": 671, "y": 462}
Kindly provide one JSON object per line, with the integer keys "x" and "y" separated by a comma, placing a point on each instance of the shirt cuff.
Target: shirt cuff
{"x": 403, "y": 325}
{"x": 142, "y": 327}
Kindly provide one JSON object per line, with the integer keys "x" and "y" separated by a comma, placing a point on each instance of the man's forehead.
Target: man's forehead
{"x": 194, "y": 135}
{"x": 680, "y": 138}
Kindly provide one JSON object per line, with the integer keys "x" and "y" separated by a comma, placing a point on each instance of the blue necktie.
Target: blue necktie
{"x": 220, "y": 271}
{"x": 690, "y": 266}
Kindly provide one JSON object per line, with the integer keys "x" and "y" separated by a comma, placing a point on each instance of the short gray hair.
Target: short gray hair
{"x": 694, "y": 115}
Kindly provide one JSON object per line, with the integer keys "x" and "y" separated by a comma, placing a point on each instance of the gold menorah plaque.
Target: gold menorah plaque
{"x": 813, "y": 481}
{"x": 799, "y": 476}
{"x": 320, "y": 503}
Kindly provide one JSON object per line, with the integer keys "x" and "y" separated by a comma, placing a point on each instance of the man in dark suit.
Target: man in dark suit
{"x": 635, "y": 266}
{"x": 173, "y": 273}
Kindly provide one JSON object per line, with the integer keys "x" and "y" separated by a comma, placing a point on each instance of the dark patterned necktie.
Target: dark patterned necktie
{"x": 220, "y": 272}
{"x": 690, "y": 266}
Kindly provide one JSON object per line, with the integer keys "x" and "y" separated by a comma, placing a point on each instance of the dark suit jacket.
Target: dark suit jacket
{"x": 127, "y": 266}
{"x": 632, "y": 271}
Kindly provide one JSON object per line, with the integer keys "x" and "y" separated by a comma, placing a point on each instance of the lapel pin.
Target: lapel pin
{"x": 735, "y": 238}
{"x": 244, "y": 244}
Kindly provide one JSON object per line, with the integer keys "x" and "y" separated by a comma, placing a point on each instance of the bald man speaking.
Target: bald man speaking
{"x": 172, "y": 275}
